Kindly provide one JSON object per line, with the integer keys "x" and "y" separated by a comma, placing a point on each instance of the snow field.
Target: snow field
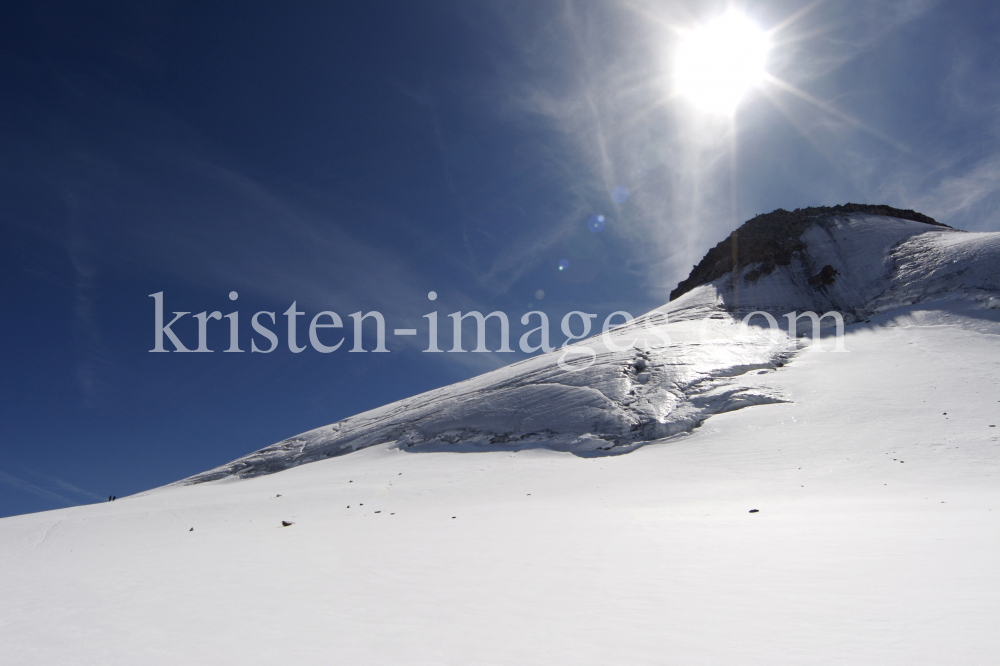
{"x": 875, "y": 541}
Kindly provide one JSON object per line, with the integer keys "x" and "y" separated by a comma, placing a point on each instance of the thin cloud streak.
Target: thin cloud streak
{"x": 28, "y": 487}
{"x": 971, "y": 194}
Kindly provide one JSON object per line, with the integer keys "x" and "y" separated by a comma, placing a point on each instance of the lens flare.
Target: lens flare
{"x": 596, "y": 223}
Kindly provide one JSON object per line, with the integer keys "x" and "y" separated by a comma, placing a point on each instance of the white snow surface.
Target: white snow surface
{"x": 688, "y": 360}
{"x": 875, "y": 473}
{"x": 882, "y": 263}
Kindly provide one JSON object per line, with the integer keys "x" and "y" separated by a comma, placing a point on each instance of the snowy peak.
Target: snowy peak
{"x": 773, "y": 239}
{"x": 856, "y": 260}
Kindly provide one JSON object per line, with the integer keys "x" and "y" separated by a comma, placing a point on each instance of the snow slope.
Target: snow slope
{"x": 875, "y": 473}
{"x": 875, "y": 541}
{"x": 673, "y": 368}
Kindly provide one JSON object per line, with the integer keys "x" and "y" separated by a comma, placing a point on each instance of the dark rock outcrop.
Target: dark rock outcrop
{"x": 772, "y": 239}
{"x": 827, "y": 276}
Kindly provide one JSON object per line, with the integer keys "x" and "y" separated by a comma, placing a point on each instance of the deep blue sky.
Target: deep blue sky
{"x": 353, "y": 156}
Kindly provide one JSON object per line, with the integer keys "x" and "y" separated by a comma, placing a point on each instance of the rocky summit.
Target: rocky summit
{"x": 774, "y": 239}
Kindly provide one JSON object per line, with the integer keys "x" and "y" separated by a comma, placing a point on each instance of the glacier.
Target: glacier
{"x": 668, "y": 371}
{"x": 853, "y": 517}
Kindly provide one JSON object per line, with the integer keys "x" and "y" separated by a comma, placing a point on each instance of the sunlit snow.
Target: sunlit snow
{"x": 435, "y": 540}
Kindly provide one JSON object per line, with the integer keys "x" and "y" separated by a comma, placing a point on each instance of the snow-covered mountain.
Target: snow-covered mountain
{"x": 688, "y": 360}
{"x": 853, "y": 519}
{"x": 843, "y": 259}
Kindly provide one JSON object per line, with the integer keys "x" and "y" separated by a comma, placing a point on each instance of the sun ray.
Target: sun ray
{"x": 790, "y": 20}
{"x": 833, "y": 111}
{"x": 819, "y": 148}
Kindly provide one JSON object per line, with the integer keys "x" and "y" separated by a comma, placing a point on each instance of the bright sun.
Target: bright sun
{"x": 718, "y": 63}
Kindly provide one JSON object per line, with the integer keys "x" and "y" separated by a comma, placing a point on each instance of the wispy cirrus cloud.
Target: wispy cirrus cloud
{"x": 598, "y": 74}
{"x": 971, "y": 197}
{"x": 28, "y": 487}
